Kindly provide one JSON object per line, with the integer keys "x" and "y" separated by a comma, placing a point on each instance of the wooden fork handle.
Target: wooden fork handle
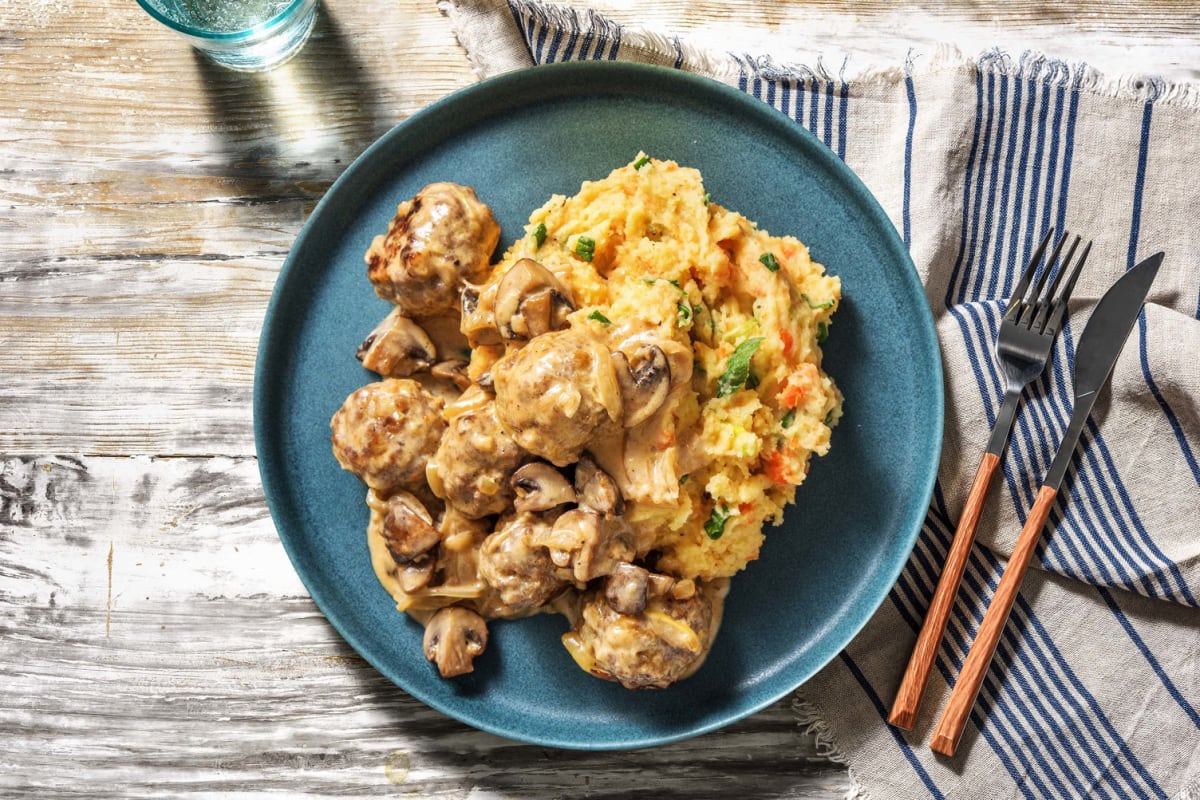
{"x": 916, "y": 675}
{"x": 979, "y": 658}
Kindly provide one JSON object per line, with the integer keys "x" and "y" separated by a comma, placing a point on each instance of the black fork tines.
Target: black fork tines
{"x": 1042, "y": 306}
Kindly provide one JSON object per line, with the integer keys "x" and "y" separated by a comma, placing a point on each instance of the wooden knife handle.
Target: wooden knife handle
{"x": 916, "y": 675}
{"x": 979, "y": 658}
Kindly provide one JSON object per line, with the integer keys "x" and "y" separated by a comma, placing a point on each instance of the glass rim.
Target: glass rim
{"x": 221, "y": 36}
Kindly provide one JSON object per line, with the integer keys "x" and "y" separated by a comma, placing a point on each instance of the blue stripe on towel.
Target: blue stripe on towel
{"x": 1142, "y": 647}
{"x": 1015, "y": 267}
{"x": 1134, "y": 232}
{"x": 1006, "y": 184}
{"x": 1068, "y": 155}
{"x": 827, "y": 137}
{"x": 812, "y": 106}
{"x": 982, "y": 267}
{"x": 843, "y": 114}
{"x": 911, "y": 93}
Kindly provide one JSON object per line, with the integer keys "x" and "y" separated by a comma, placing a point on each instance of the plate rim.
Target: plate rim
{"x": 561, "y": 76}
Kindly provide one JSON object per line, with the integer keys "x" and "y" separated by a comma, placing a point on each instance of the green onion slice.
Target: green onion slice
{"x": 737, "y": 369}
{"x": 585, "y": 247}
{"x": 715, "y": 526}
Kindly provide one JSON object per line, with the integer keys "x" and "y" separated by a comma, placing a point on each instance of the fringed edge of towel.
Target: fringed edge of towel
{"x": 493, "y": 52}
{"x": 812, "y": 723}
{"x": 1033, "y": 65}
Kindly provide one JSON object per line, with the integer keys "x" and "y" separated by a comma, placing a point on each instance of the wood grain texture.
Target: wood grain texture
{"x": 154, "y": 639}
{"x": 916, "y": 674}
{"x": 979, "y": 658}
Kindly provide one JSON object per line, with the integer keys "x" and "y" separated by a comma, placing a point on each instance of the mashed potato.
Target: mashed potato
{"x": 647, "y": 253}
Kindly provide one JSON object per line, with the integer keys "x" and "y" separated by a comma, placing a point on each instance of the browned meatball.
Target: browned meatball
{"x": 437, "y": 240}
{"x": 474, "y": 462}
{"x": 385, "y": 432}
{"x": 520, "y": 571}
{"x": 554, "y": 393}
{"x": 649, "y": 650}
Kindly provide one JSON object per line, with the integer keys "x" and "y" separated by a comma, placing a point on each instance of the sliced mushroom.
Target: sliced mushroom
{"x": 453, "y": 370}
{"x": 626, "y": 588}
{"x": 479, "y": 315}
{"x": 540, "y": 487}
{"x": 397, "y": 347}
{"x": 408, "y": 528}
{"x": 589, "y": 544}
{"x": 454, "y": 636}
{"x": 596, "y": 490}
{"x": 530, "y": 301}
{"x": 416, "y": 577}
{"x": 645, "y": 380}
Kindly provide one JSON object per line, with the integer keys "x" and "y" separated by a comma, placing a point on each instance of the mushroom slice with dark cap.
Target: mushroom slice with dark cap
{"x": 596, "y": 490}
{"x": 454, "y": 636}
{"x": 416, "y": 576}
{"x": 645, "y": 379}
{"x": 540, "y": 487}
{"x": 408, "y": 528}
{"x": 531, "y": 301}
{"x": 453, "y": 370}
{"x": 397, "y": 347}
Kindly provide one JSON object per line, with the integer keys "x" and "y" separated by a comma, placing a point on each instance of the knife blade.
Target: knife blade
{"x": 1100, "y": 344}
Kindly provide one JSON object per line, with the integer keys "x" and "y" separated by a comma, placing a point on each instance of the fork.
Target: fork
{"x": 1028, "y": 329}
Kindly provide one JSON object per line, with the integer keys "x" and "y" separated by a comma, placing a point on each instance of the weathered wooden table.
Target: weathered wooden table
{"x": 154, "y": 639}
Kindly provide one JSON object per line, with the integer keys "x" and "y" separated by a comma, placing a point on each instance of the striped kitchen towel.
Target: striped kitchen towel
{"x": 1095, "y": 691}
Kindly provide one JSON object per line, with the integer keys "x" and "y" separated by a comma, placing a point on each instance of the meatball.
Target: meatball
{"x": 473, "y": 464}
{"x": 437, "y": 240}
{"x": 652, "y": 649}
{"x": 521, "y": 572}
{"x": 385, "y": 433}
{"x": 554, "y": 393}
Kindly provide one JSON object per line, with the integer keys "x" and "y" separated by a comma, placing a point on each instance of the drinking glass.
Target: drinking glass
{"x": 247, "y": 35}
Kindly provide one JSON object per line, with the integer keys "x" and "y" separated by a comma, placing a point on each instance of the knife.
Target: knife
{"x": 1099, "y": 346}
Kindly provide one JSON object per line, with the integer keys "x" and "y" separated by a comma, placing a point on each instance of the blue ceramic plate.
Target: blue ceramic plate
{"x": 518, "y": 139}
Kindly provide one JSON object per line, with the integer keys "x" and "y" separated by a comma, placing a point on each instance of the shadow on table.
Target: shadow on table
{"x": 298, "y": 125}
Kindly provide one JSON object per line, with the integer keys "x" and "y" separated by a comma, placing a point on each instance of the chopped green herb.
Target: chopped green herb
{"x": 751, "y": 381}
{"x": 768, "y": 261}
{"x": 585, "y": 247}
{"x": 737, "y": 369}
{"x": 715, "y": 526}
{"x": 707, "y": 197}
{"x": 603, "y": 320}
{"x": 822, "y": 332}
{"x": 641, "y": 162}
{"x": 675, "y": 283}
{"x": 649, "y": 281}
{"x": 539, "y": 235}
{"x": 788, "y": 419}
{"x": 685, "y": 314}
{"x": 817, "y": 306}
